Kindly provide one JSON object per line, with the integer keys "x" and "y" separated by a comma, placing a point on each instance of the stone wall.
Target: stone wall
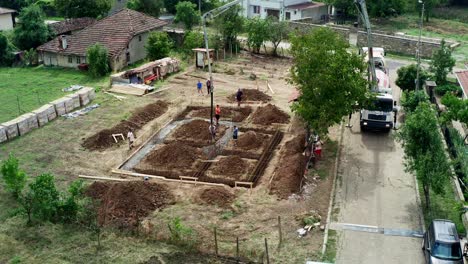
{"x": 401, "y": 44}
{"x": 305, "y": 27}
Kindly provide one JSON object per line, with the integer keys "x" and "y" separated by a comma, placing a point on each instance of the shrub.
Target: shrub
{"x": 413, "y": 99}
{"x": 448, "y": 88}
{"x": 14, "y": 178}
{"x": 158, "y": 46}
{"x": 96, "y": 56}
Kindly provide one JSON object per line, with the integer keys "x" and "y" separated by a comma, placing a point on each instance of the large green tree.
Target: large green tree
{"x": 407, "y": 76}
{"x": 32, "y": 31}
{"x": 206, "y": 5}
{"x": 330, "y": 79}
{"x": 384, "y": 8}
{"x": 278, "y": 31}
{"x": 158, "y": 46}
{"x": 6, "y": 57}
{"x": 186, "y": 14}
{"x": 193, "y": 40}
{"x": 230, "y": 24}
{"x": 98, "y": 63}
{"x": 424, "y": 152}
{"x": 457, "y": 108}
{"x": 13, "y": 178}
{"x": 83, "y": 8}
{"x": 258, "y": 31}
{"x": 347, "y": 7}
{"x": 442, "y": 63}
{"x": 149, "y": 7}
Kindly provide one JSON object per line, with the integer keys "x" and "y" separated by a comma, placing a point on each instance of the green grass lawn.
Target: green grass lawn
{"x": 25, "y": 89}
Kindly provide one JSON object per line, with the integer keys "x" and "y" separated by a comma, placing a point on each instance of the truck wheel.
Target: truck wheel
{"x": 363, "y": 128}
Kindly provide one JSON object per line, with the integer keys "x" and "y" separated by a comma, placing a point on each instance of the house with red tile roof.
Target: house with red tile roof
{"x": 462, "y": 77}
{"x": 69, "y": 26}
{"x": 124, "y": 34}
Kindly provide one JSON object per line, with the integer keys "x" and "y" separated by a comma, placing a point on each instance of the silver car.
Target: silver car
{"x": 441, "y": 244}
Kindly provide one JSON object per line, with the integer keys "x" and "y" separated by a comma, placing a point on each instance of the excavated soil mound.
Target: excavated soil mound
{"x": 288, "y": 177}
{"x": 123, "y": 204}
{"x": 230, "y": 166}
{"x": 103, "y": 139}
{"x": 197, "y": 130}
{"x": 269, "y": 114}
{"x": 237, "y": 114}
{"x": 174, "y": 155}
{"x": 251, "y": 140}
{"x": 251, "y": 95}
{"x": 217, "y": 196}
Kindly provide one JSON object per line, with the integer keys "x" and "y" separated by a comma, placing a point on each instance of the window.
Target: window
{"x": 128, "y": 56}
{"x": 70, "y": 59}
{"x": 78, "y": 60}
{"x": 256, "y": 9}
{"x": 139, "y": 38}
{"x": 288, "y": 15}
{"x": 295, "y": 12}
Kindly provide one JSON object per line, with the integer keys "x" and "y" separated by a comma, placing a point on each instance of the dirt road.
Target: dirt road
{"x": 379, "y": 216}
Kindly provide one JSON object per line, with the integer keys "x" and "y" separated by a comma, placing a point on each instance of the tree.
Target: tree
{"x": 45, "y": 198}
{"x": 424, "y": 152}
{"x": 15, "y": 4}
{"x": 83, "y": 8}
{"x": 158, "y": 46}
{"x": 330, "y": 80}
{"x": 13, "y": 178}
{"x": 96, "y": 56}
{"x": 206, "y": 5}
{"x": 186, "y": 13}
{"x": 278, "y": 32}
{"x": 407, "y": 76}
{"x": 230, "y": 24}
{"x": 30, "y": 57}
{"x": 347, "y": 7}
{"x": 379, "y": 8}
{"x": 192, "y": 40}
{"x": 429, "y": 5}
{"x": 412, "y": 99}
{"x": 258, "y": 31}
{"x": 6, "y": 56}
{"x": 32, "y": 31}
{"x": 442, "y": 63}
{"x": 457, "y": 108}
{"x": 149, "y": 7}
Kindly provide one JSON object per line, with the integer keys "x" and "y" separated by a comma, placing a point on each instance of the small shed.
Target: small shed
{"x": 430, "y": 89}
{"x": 201, "y": 60}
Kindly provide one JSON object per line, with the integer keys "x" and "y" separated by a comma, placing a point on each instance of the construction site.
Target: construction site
{"x": 254, "y": 188}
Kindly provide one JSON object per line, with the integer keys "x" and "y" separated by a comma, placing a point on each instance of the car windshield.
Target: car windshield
{"x": 384, "y": 105}
{"x": 447, "y": 251}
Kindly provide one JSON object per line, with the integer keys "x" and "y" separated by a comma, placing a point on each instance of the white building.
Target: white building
{"x": 7, "y": 19}
{"x": 286, "y": 9}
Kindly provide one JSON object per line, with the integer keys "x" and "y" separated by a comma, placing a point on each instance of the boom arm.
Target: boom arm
{"x": 362, "y": 9}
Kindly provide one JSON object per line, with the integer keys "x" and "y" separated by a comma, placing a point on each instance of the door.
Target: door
{"x": 272, "y": 12}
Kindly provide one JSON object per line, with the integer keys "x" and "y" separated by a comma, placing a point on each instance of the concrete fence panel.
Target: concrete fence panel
{"x": 11, "y": 129}
{"x": 59, "y": 105}
{"x": 3, "y": 135}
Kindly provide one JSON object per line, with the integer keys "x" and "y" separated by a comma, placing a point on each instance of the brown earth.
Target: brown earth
{"x": 103, "y": 139}
{"x": 251, "y": 95}
{"x": 237, "y": 114}
{"x": 174, "y": 155}
{"x": 124, "y": 204}
{"x": 269, "y": 114}
{"x": 230, "y": 166}
{"x": 251, "y": 140}
{"x": 217, "y": 196}
{"x": 288, "y": 176}
{"x": 197, "y": 130}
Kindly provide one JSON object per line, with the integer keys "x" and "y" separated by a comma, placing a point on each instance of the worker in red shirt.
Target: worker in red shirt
{"x": 217, "y": 114}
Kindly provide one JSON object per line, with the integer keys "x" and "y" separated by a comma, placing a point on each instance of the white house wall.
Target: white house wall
{"x": 6, "y": 22}
{"x": 136, "y": 47}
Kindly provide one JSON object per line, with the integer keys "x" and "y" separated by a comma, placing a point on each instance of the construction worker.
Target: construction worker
{"x": 131, "y": 139}
{"x": 208, "y": 86}
{"x": 212, "y": 130}
{"x": 199, "y": 88}
{"x": 235, "y": 133}
{"x": 239, "y": 97}
{"x": 217, "y": 114}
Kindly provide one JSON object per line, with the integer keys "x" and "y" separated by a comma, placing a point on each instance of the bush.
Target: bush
{"x": 96, "y": 56}
{"x": 448, "y": 88}
{"x": 159, "y": 45}
{"x": 412, "y": 99}
{"x": 6, "y": 56}
{"x": 407, "y": 76}
{"x": 14, "y": 178}
{"x": 181, "y": 234}
{"x": 192, "y": 40}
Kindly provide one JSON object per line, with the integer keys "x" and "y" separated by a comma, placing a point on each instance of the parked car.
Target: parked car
{"x": 441, "y": 244}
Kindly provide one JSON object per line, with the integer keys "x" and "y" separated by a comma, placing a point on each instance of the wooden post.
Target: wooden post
{"x": 266, "y": 251}
{"x": 237, "y": 249}
{"x": 216, "y": 241}
{"x": 280, "y": 233}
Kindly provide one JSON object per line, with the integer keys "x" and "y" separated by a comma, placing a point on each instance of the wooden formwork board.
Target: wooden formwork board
{"x": 102, "y": 178}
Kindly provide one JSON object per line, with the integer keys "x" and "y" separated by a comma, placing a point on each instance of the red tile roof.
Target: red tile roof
{"x": 462, "y": 77}
{"x": 71, "y": 25}
{"x": 308, "y": 5}
{"x": 4, "y": 10}
{"x": 114, "y": 32}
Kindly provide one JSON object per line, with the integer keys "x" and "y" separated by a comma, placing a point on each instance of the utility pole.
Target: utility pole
{"x": 418, "y": 50}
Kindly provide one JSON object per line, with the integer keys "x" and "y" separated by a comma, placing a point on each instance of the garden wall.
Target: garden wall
{"x": 304, "y": 27}
{"x": 41, "y": 116}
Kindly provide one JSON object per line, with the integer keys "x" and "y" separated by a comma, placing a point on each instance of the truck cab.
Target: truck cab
{"x": 379, "y": 115}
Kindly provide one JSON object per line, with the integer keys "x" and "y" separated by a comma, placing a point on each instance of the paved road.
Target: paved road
{"x": 378, "y": 211}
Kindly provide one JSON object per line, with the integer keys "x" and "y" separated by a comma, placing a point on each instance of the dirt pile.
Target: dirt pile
{"x": 288, "y": 177}
{"x": 251, "y": 95}
{"x": 103, "y": 139}
{"x": 251, "y": 140}
{"x": 174, "y": 155}
{"x": 237, "y": 114}
{"x": 197, "y": 130}
{"x": 230, "y": 166}
{"x": 124, "y": 204}
{"x": 217, "y": 196}
{"x": 269, "y": 114}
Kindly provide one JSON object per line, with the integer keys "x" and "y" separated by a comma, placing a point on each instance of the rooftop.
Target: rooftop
{"x": 462, "y": 77}
{"x": 4, "y": 10}
{"x": 308, "y": 5}
{"x": 73, "y": 24}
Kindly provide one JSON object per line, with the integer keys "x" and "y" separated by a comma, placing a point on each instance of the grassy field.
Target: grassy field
{"x": 435, "y": 28}
{"x": 25, "y": 89}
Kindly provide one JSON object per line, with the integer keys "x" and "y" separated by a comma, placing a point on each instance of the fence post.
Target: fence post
{"x": 216, "y": 242}
{"x": 237, "y": 249}
{"x": 280, "y": 233}
{"x": 18, "y": 104}
{"x": 266, "y": 251}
